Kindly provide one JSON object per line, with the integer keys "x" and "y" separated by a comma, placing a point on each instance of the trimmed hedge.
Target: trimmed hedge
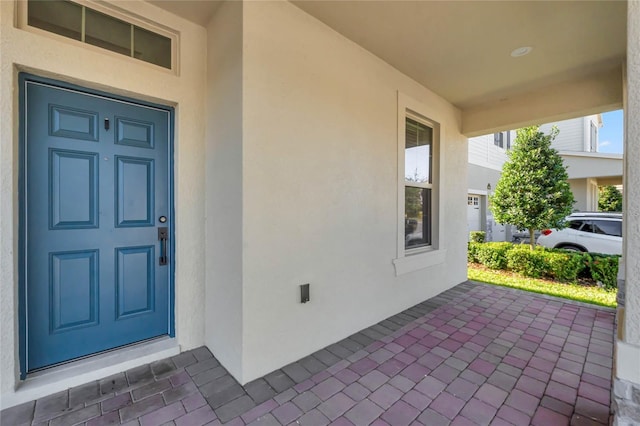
{"x": 603, "y": 269}
{"x": 565, "y": 267}
{"x": 557, "y": 264}
{"x": 530, "y": 263}
{"x": 477, "y": 236}
{"x": 493, "y": 255}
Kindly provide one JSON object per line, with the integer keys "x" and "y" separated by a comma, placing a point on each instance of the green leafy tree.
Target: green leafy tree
{"x": 533, "y": 192}
{"x": 610, "y": 199}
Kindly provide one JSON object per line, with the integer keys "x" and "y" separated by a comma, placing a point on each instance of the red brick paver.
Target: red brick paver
{"x": 483, "y": 356}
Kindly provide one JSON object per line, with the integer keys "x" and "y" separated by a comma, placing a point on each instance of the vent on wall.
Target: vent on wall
{"x": 87, "y": 25}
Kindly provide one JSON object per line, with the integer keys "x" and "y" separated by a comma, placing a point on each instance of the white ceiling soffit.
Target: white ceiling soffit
{"x": 462, "y": 49}
{"x": 197, "y": 11}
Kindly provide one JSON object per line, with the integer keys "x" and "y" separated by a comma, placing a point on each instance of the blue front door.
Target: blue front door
{"x": 96, "y": 196}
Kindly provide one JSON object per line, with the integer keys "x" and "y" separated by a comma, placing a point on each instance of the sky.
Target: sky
{"x": 610, "y": 134}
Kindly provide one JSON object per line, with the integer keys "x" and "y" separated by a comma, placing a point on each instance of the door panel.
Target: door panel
{"x": 96, "y": 182}
{"x": 73, "y": 186}
{"x": 73, "y": 290}
{"x": 135, "y": 280}
{"x": 73, "y": 123}
{"x": 134, "y": 191}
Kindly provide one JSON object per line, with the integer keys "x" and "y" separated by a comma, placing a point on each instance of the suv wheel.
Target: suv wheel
{"x": 571, "y": 248}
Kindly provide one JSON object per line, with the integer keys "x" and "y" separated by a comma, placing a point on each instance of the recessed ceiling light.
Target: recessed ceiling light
{"x": 521, "y": 51}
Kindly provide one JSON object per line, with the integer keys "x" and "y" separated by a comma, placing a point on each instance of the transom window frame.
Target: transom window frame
{"x": 413, "y": 259}
{"x": 22, "y": 22}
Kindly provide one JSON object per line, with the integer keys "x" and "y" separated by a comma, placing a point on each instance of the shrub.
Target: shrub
{"x": 604, "y": 269}
{"x": 472, "y": 252}
{"x": 530, "y": 263}
{"x": 610, "y": 199}
{"x": 564, "y": 267}
{"x": 493, "y": 255}
{"x": 477, "y": 236}
{"x": 558, "y": 264}
{"x": 585, "y": 258}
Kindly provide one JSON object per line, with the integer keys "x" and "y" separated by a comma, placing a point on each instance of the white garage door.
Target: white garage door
{"x": 474, "y": 213}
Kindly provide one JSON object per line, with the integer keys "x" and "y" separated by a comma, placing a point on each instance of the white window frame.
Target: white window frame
{"x": 409, "y": 260}
{"x": 114, "y": 11}
{"x": 593, "y": 137}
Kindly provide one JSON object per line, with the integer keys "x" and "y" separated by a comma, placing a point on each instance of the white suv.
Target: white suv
{"x": 592, "y": 232}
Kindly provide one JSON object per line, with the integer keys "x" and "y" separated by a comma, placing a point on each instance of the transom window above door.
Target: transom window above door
{"x": 78, "y": 22}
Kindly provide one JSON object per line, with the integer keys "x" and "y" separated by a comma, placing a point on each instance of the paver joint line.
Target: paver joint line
{"x": 473, "y": 354}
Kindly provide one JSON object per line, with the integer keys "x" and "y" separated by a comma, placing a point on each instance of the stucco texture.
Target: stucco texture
{"x": 224, "y": 192}
{"x": 632, "y": 178}
{"x": 320, "y": 187}
{"x": 59, "y": 58}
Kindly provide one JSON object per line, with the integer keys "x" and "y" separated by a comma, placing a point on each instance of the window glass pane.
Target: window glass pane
{"x": 107, "y": 32}
{"x": 151, "y": 47}
{"x": 575, "y": 224}
{"x": 588, "y": 227}
{"x": 608, "y": 227}
{"x": 418, "y": 152}
{"x": 60, "y": 17}
{"x": 417, "y": 212}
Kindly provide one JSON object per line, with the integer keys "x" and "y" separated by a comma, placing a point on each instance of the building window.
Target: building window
{"x": 418, "y": 183}
{"x": 498, "y": 139}
{"x": 420, "y": 230}
{"x": 78, "y": 22}
{"x": 508, "y": 139}
{"x": 593, "y": 139}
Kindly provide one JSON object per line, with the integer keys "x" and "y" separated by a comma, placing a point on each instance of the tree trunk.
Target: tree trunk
{"x": 532, "y": 238}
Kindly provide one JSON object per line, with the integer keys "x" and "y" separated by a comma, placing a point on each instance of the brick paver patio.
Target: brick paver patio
{"x": 473, "y": 355}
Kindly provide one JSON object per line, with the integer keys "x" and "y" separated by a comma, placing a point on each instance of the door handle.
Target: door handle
{"x": 163, "y": 236}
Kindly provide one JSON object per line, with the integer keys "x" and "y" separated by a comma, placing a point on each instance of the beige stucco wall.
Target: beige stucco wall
{"x": 632, "y": 178}
{"x": 628, "y": 347}
{"x": 587, "y": 165}
{"x": 225, "y": 177}
{"x": 320, "y": 188}
{"x": 579, "y": 189}
{"x": 95, "y": 68}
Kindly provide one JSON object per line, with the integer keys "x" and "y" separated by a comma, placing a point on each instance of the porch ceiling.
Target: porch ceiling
{"x": 197, "y": 11}
{"x": 461, "y": 49}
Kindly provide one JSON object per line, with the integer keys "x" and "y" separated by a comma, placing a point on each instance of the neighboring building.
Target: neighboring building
{"x": 487, "y": 154}
{"x": 588, "y": 168}
{"x": 183, "y": 167}
{"x": 577, "y": 144}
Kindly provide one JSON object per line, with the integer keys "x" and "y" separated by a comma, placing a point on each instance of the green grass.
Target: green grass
{"x": 580, "y": 293}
